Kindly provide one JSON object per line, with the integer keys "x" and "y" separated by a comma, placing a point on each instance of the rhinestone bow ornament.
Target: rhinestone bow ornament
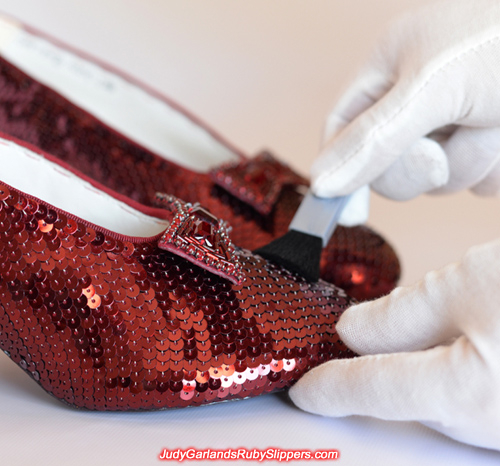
{"x": 200, "y": 237}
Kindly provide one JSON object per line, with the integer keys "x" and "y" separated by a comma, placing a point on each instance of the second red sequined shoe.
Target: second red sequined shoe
{"x": 110, "y": 305}
{"x": 137, "y": 143}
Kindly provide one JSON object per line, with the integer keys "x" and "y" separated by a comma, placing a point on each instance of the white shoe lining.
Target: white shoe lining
{"x": 35, "y": 175}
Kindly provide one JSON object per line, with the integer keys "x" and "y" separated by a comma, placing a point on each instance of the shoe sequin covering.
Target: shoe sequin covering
{"x": 356, "y": 259}
{"x": 104, "y": 322}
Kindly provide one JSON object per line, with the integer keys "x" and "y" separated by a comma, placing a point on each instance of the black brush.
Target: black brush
{"x": 311, "y": 228}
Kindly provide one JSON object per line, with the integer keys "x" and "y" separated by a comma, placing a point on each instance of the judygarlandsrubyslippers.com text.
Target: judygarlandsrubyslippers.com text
{"x": 246, "y": 454}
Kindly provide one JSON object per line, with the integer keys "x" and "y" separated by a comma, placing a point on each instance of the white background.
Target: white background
{"x": 264, "y": 74}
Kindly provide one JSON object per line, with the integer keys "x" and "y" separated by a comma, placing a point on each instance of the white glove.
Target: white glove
{"x": 424, "y": 113}
{"x": 454, "y": 388}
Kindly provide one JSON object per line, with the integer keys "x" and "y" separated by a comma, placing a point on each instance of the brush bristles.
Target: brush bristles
{"x": 297, "y": 252}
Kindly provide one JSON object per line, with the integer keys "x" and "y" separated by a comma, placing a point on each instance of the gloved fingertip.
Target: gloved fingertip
{"x": 328, "y": 185}
{"x": 357, "y": 210}
{"x": 350, "y": 328}
{"x": 312, "y": 390}
{"x": 372, "y": 327}
{"x": 299, "y": 394}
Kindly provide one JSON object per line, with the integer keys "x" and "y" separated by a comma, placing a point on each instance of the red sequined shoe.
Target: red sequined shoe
{"x": 110, "y": 305}
{"x": 148, "y": 144}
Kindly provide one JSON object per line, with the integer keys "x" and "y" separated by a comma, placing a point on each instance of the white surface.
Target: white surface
{"x": 263, "y": 74}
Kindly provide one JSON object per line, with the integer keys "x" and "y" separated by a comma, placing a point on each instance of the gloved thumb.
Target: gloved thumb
{"x": 356, "y": 210}
{"x": 410, "y": 318}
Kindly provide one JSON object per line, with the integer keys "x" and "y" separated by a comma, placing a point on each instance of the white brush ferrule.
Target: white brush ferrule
{"x": 318, "y": 216}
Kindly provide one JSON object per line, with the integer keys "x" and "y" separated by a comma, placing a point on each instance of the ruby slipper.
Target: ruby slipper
{"x": 149, "y": 144}
{"x": 110, "y": 305}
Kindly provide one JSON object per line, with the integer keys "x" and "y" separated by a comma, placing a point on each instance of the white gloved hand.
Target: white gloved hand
{"x": 453, "y": 388}
{"x": 424, "y": 113}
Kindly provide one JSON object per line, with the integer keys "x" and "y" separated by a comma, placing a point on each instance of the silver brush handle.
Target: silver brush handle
{"x": 318, "y": 216}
